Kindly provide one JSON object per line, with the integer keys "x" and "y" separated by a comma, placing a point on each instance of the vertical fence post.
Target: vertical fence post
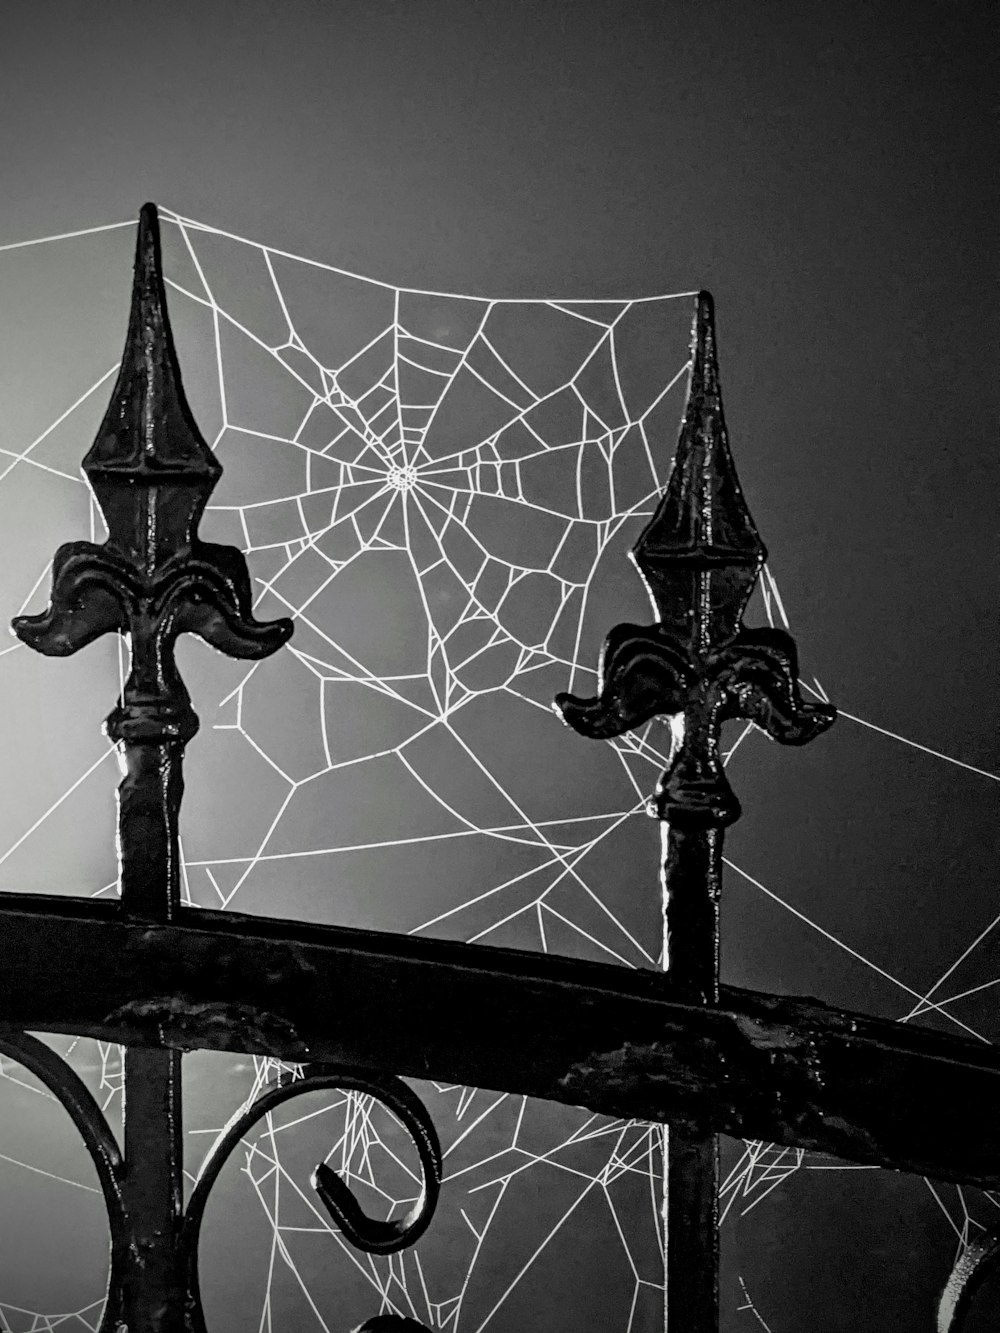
{"x": 691, "y": 883}
{"x": 153, "y": 579}
{"x": 700, "y": 557}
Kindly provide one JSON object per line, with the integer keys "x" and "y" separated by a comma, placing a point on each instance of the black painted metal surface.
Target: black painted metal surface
{"x": 700, "y": 557}
{"x": 613, "y": 1039}
{"x": 674, "y": 1048}
{"x": 151, "y": 580}
{"x": 371, "y": 1235}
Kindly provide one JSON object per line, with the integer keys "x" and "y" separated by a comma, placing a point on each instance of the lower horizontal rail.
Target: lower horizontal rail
{"x": 790, "y": 1071}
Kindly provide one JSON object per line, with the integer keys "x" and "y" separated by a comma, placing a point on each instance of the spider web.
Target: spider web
{"x": 441, "y": 491}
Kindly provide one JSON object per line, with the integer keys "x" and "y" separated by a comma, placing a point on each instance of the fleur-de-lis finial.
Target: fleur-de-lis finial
{"x": 154, "y": 578}
{"x": 699, "y": 556}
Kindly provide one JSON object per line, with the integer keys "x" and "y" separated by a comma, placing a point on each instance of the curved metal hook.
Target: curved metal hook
{"x": 370, "y": 1234}
{"x": 75, "y": 1098}
{"x": 365, "y": 1233}
{"x": 971, "y": 1270}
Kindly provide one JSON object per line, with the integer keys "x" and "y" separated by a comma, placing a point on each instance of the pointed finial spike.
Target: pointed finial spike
{"x": 702, "y": 521}
{"x": 149, "y": 423}
{"x": 152, "y": 474}
{"x": 148, "y": 295}
{"x": 149, "y": 226}
{"x": 704, "y": 358}
{"x": 700, "y": 556}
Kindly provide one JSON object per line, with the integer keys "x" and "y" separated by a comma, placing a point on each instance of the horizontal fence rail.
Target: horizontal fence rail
{"x": 610, "y": 1038}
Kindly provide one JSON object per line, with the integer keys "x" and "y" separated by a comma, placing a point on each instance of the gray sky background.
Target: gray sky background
{"x": 824, "y": 170}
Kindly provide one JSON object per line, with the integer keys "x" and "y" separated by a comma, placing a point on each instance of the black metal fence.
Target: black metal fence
{"x": 360, "y": 1009}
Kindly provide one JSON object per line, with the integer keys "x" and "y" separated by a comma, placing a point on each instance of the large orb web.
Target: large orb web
{"x": 441, "y": 490}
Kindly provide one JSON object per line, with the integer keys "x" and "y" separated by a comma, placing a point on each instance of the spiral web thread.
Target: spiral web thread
{"x": 439, "y": 491}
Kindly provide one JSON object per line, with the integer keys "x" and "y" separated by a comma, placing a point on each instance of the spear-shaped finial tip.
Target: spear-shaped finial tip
{"x": 149, "y": 220}
{"x": 148, "y": 424}
{"x": 148, "y": 297}
{"x": 704, "y": 358}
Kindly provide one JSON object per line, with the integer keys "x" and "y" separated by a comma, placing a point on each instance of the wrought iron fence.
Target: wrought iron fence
{"x": 360, "y": 1010}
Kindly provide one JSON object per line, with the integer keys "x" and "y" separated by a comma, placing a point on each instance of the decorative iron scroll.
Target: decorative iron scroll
{"x": 977, "y": 1262}
{"x": 367, "y": 1234}
{"x": 152, "y": 580}
{"x": 75, "y": 1098}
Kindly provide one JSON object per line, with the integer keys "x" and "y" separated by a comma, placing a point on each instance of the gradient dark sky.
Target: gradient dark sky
{"x": 823, "y": 168}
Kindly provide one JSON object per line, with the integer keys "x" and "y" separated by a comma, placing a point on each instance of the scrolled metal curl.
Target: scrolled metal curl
{"x": 973, "y": 1266}
{"x": 365, "y": 1233}
{"x": 76, "y": 1100}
